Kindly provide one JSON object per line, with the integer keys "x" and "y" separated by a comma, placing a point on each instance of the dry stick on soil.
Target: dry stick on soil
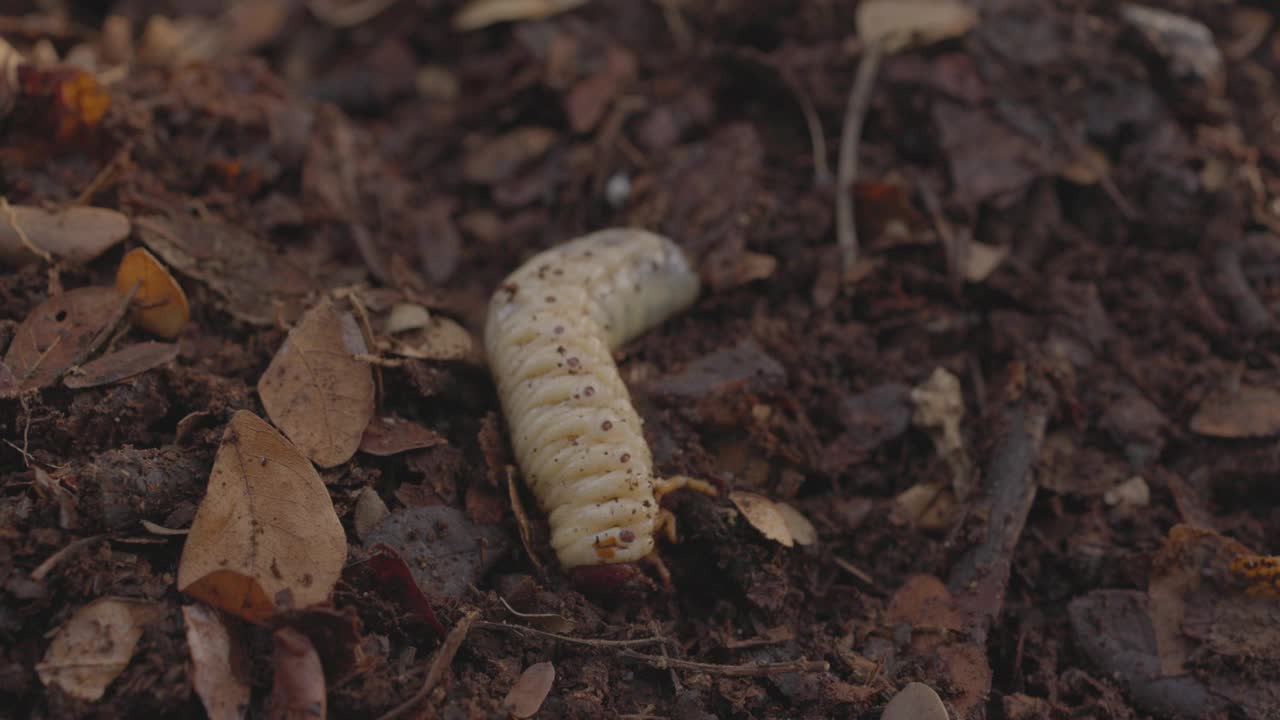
{"x": 12, "y": 218}
{"x": 847, "y": 172}
{"x": 747, "y": 670}
{"x": 522, "y": 521}
{"x": 1252, "y": 313}
{"x": 821, "y": 170}
{"x": 440, "y": 663}
{"x": 52, "y": 561}
{"x": 589, "y": 642}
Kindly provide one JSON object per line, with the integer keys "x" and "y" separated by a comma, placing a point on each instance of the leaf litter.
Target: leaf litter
{"x": 95, "y": 645}
{"x": 218, "y": 663}
{"x": 61, "y": 332}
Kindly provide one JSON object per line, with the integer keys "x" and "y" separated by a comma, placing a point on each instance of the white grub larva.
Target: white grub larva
{"x": 550, "y": 334}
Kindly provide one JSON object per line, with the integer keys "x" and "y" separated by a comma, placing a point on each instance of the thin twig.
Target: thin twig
{"x": 12, "y": 218}
{"x": 817, "y": 138}
{"x": 440, "y": 663}
{"x": 847, "y": 172}
{"x": 748, "y": 670}
{"x": 52, "y": 561}
{"x": 589, "y": 642}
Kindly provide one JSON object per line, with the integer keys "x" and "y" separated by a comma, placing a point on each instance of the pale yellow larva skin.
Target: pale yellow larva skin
{"x": 549, "y": 337}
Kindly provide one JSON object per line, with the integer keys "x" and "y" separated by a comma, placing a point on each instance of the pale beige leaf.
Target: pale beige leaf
{"x": 406, "y": 316}
{"x": 901, "y": 23}
{"x": 482, "y": 13}
{"x": 981, "y": 259}
{"x": 316, "y": 391}
{"x": 763, "y": 514}
{"x": 92, "y": 648}
{"x": 802, "y": 531}
{"x": 298, "y": 688}
{"x": 527, "y": 695}
{"x": 440, "y": 339}
{"x": 266, "y": 536}
{"x": 217, "y": 664}
{"x": 78, "y": 234}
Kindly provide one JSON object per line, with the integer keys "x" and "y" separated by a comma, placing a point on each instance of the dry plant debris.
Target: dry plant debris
{"x": 525, "y": 698}
{"x": 61, "y": 332}
{"x": 93, "y": 647}
{"x": 121, "y": 365}
{"x": 78, "y": 234}
{"x": 217, "y": 663}
{"x": 159, "y": 305}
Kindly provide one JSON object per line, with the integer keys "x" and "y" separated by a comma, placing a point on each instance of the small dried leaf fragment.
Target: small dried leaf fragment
{"x": 121, "y": 364}
{"x": 903, "y": 23}
{"x": 764, "y": 515}
{"x": 981, "y": 259}
{"x": 916, "y": 701}
{"x": 298, "y": 689}
{"x": 526, "y": 697}
{"x": 802, "y": 531}
{"x": 483, "y": 13}
{"x": 500, "y": 158}
{"x": 61, "y": 332}
{"x": 78, "y": 234}
{"x": 315, "y": 389}
{"x": 160, "y": 306}
{"x": 217, "y": 664}
{"x": 439, "y": 339}
{"x": 1249, "y": 411}
{"x": 391, "y": 435}
{"x": 370, "y": 510}
{"x": 92, "y": 648}
{"x": 265, "y": 536}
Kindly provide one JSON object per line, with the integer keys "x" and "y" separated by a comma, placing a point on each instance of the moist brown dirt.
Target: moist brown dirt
{"x": 1136, "y": 205}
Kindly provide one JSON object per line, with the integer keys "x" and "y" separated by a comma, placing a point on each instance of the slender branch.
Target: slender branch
{"x": 439, "y": 664}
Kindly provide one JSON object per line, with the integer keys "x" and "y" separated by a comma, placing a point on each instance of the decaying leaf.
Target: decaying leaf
{"x": 981, "y": 259}
{"x": 217, "y": 664}
{"x": 1249, "y": 411}
{"x": 902, "y": 23}
{"x": 499, "y": 158}
{"x": 526, "y": 697}
{"x": 445, "y": 551}
{"x": 315, "y": 389}
{"x": 764, "y": 515}
{"x": 939, "y": 409}
{"x": 440, "y": 339}
{"x": 370, "y": 510}
{"x": 391, "y": 435}
{"x": 78, "y": 234}
{"x": 159, "y": 305}
{"x": 265, "y": 537}
{"x": 297, "y": 689}
{"x": 802, "y": 531}
{"x": 61, "y": 332}
{"x": 928, "y": 506}
{"x": 483, "y": 13}
{"x": 92, "y": 648}
{"x": 239, "y": 267}
{"x": 121, "y": 364}
{"x": 395, "y": 579}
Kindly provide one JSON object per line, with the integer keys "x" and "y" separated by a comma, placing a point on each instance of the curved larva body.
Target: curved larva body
{"x": 550, "y": 333}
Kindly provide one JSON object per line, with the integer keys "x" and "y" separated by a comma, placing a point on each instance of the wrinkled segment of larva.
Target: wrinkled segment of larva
{"x": 550, "y": 334}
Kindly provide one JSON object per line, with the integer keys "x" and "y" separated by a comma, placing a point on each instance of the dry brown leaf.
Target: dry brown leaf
{"x": 483, "y": 13}
{"x": 92, "y": 648}
{"x": 315, "y": 389}
{"x": 61, "y": 332}
{"x": 297, "y": 689}
{"x": 763, "y": 514}
{"x": 160, "y": 306}
{"x": 391, "y": 435}
{"x": 981, "y": 259}
{"x": 526, "y": 697}
{"x": 440, "y": 339}
{"x": 370, "y": 510}
{"x": 78, "y": 234}
{"x": 121, "y": 364}
{"x": 928, "y": 506}
{"x": 901, "y": 23}
{"x": 217, "y": 664}
{"x": 239, "y": 267}
{"x": 1249, "y": 411}
{"x": 499, "y": 158}
{"x": 266, "y": 536}
{"x": 802, "y": 531}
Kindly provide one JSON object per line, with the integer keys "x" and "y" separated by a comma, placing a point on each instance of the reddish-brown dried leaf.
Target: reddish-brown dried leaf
{"x": 315, "y": 389}
{"x": 394, "y": 576}
{"x": 123, "y": 363}
{"x": 390, "y": 435}
{"x": 61, "y": 332}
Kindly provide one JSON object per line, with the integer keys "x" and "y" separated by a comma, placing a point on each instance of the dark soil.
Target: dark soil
{"x": 1134, "y": 197}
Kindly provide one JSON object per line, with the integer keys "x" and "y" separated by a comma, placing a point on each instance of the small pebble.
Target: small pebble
{"x": 916, "y": 701}
{"x": 617, "y": 189}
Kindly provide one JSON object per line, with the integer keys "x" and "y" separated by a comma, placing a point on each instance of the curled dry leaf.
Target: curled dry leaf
{"x": 315, "y": 389}
{"x": 391, "y": 435}
{"x": 217, "y": 664}
{"x": 159, "y": 306}
{"x": 265, "y": 537}
{"x": 440, "y": 339}
{"x": 297, "y": 689}
{"x": 1249, "y": 411}
{"x": 527, "y": 695}
{"x": 78, "y": 234}
{"x": 121, "y": 364}
{"x": 901, "y": 23}
{"x": 483, "y": 13}
{"x": 764, "y": 515}
{"x": 61, "y": 332}
{"x": 92, "y": 648}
